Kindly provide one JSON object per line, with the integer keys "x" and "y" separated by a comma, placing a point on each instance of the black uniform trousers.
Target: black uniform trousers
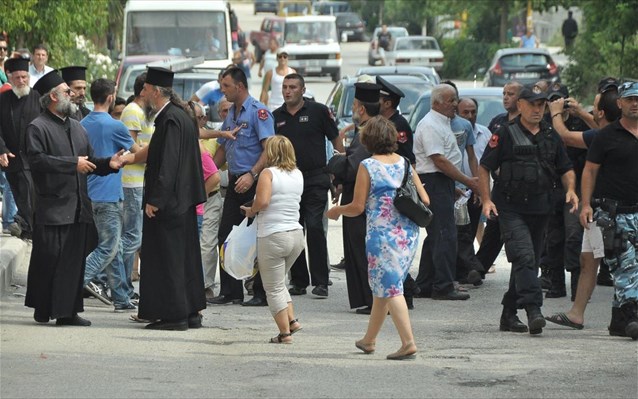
{"x": 438, "y": 255}
{"x": 22, "y": 189}
{"x": 523, "y": 238}
{"x": 491, "y": 244}
{"x": 466, "y": 259}
{"x": 311, "y": 212}
{"x": 354, "y": 254}
{"x": 232, "y": 216}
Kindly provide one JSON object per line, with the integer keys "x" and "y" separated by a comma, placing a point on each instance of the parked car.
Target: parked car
{"x": 373, "y": 50}
{"x": 428, "y": 72}
{"x": 526, "y": 65}
{"x": 489, "y": 99}
{"x": 340, "y": 98}
{"x": 350, "y": 27}
{"x": 330, "y": 7}
{"x": 294, "y": 8}
{"x": 417, "y": 50}
{"x": 266, "y": 6}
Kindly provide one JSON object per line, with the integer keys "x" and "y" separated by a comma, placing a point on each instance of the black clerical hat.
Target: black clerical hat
{"x": 16, "y": 64}
{"x": 48, "y": 82}
{"x": 71, "y": 73}
{"x": 159, "y": 77}
{"x": 367, "y": 92}
{"x": 388, "y": 89}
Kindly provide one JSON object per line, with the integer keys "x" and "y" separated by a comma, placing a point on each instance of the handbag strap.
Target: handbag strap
{"x": 405, "y": 174}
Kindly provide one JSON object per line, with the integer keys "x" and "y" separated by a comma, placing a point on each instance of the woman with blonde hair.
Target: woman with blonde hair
{"x": 391, "y": 238}
{"x": 280, "y": 237}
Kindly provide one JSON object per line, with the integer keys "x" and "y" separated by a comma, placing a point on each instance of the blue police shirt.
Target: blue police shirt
{"x": 257, "y": 124}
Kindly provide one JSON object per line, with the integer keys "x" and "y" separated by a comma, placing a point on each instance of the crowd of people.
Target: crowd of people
{"x": 556, "y": 186}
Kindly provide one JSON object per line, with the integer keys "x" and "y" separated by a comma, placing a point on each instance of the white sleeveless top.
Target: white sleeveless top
{"x": 282, "y": 214}
{"x": 276, "y": 98}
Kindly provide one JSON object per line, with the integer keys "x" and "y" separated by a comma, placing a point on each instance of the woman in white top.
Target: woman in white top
{"x": 274, "y": 81}
{"x": 269, "y": 58}
{"x": 280, "y": 237}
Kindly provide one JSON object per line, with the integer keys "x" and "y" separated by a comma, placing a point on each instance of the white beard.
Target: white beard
{"x": 21, "y": 92}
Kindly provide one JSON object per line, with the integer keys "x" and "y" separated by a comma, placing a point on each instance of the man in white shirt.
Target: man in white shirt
{"x": 439, "y": 163}
{"x": 38, "y": 67}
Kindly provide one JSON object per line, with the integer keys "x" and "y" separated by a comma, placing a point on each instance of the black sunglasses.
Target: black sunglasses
{"x": 282, "y": 56}
{"x": 3, "y": 48}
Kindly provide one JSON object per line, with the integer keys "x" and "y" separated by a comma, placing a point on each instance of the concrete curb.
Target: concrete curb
{"x": 12, "y": 254}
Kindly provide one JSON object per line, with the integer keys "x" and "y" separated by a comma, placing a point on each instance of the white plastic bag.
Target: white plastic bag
{"x": 240, "y": 251}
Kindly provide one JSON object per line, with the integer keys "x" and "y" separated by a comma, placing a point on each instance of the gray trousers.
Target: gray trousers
{"x": 208, "y": 239}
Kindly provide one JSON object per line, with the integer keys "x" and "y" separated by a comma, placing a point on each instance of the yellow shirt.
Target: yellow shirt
{"x": 134, "y": 119}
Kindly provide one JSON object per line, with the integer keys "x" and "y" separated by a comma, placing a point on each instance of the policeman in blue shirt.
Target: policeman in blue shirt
{"x": 246, "y": 159}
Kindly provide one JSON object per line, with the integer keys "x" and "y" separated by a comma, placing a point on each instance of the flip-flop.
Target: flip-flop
{"x": 563, "y": 320}
{"x": 137, "y": 319}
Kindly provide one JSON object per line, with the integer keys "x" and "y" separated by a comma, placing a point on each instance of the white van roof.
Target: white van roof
{"x": 172, "y": 5}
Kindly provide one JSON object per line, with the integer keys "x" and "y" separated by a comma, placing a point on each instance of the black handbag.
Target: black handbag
{"x": 408, "y": 202}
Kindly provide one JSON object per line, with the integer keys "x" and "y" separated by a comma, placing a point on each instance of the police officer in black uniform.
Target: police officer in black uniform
{"x": 389, "y": 98}
{"x": 308, "y": 124}
{"x": 529, "y": 156}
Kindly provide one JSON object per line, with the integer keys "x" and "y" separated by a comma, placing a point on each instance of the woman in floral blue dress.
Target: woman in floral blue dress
{"x": 391, "y": 238}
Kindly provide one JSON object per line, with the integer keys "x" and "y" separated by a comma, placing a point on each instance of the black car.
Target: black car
{"x": 525, "y": 65}
{"x": 341, "y": 97}
{"x": 266, "y": 6}
{"x": 489, "y": 99}
{"x": 350, "y": 27}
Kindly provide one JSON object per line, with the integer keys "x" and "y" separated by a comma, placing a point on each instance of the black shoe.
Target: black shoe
{"x": 256, "y": 301}
{"x": 195, "y": 320}
{"x": 135, "y": 296}
{"x": 365, "y": 310}
{"x": 511, "y": 322}
{"x": 604, "y": 278}
{"x": 294, "y": 290}
{"x": 341, "y": 265}
{"x": 40, "y": 319}
{"x": 453, "y": 295}
{"x": 630, "y": 311}
{"x": 618, "y": 323}
{"x": 72, "y": 321}
{"x": 329, "y": 282}
{"x": 474, "y": 278}
{"x": 180, "y": 325}
{"x": 409, "y": 300}
{"x": 321, "y": 291}
{"x": 223, "y": 300}
{"x": 555, "y": 293}
{"x": 535, "y": 319}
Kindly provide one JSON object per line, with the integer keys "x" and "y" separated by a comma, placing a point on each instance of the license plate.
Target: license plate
{"x": 527, "y": 75}
{"x": 313, "y": 69}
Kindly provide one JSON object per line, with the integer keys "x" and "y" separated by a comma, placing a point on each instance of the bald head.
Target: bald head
{"x": 468, "y": 109}
{"x": 511, "y": 91}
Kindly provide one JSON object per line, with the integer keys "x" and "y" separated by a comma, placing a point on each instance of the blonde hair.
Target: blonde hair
{"x": 280, "y": 153}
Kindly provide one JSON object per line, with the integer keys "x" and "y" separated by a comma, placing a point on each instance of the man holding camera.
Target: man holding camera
{"x": 612, "y": 155}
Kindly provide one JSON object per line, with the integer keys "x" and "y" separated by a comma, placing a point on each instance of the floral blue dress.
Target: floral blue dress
{"x": 391, "y": 238}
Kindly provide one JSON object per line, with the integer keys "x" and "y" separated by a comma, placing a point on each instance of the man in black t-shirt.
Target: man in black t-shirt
{"x": 529, "y": 155}
{"x": 384, "y": 38}
{"x": 612, "y": 156}
{"x": 308, "y": 124}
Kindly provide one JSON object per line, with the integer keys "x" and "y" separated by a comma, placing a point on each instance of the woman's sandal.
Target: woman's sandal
{"x": 294, "y": 330}
{"x": 366, "y": 348}
{"x": 280, "y": 339}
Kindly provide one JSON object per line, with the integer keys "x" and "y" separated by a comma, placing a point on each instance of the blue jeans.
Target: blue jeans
{"x": 9, "y": 207}
{"x": 131, "y": 231}
{"x": 108, "y": 254}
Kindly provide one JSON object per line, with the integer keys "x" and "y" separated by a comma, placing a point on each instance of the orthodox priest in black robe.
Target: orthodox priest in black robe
{"x": 364, "y": 107}
{"x": 172, "y": 288}
{"x": 18, "y": 107}
{"x": 60, "y": 157}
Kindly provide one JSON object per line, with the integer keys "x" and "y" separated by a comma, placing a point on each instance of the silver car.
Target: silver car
{"x": 416, "y": 50}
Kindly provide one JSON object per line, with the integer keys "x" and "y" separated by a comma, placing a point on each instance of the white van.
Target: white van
{"x": 188, "y": 28}
{"x": 312, "y": 45}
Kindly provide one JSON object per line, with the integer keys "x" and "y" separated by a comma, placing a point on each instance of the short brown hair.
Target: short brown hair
{"x": 379, "y": 136}
{"x": 280, "y": 153}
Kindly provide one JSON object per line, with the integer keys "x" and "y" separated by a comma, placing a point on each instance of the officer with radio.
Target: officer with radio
{"x": 612, "y": 156}
{"x": 529, "y": 157}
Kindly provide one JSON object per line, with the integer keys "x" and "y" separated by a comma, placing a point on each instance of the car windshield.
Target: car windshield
{"x": 394, "y": 31}
{"x": 348, "y": 18}
{"x": 187, "y": 33}
{"x": 522, "y": 60}
{"x": 310, "y": 32}
{"x": 416, "y": 44}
